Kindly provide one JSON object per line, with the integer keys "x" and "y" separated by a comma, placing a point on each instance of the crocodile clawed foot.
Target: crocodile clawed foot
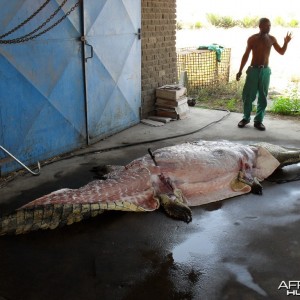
{"x": 178, "y": 211}
{"x": 256, "y": 187}
{"x": 175, "y": 208}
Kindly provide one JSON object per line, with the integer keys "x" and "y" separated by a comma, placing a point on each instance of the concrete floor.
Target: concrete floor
{"x": 240, "y": 248}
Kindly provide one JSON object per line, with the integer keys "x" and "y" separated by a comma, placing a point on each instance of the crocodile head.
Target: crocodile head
{"x": 285, "y": 156}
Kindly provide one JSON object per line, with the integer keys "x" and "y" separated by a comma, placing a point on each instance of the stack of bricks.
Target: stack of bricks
{"x": 171, "y": 102}
{"x": 159, "y": 60}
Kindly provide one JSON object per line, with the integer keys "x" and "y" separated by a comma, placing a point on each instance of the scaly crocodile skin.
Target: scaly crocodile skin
{"x": 284, "y": 155}
{"x": 48, "y": 216}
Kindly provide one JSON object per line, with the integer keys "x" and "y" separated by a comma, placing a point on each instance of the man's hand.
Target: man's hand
{"x": 238, "y": 75}
{"x": 288, "y": 37}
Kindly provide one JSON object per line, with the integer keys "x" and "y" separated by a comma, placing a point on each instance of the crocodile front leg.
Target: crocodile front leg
{"x": 244, "y": 183}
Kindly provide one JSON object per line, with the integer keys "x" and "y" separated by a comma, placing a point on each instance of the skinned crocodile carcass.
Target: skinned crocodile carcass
{"x": 176, "y": 177}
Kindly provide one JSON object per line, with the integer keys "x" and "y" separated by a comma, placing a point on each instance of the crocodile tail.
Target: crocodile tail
{"x": 128, "y": 190}
{"x": 48, "y": 216}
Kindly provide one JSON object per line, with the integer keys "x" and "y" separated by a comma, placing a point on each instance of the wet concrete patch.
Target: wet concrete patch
{"x": 230, "y": 242}
{"x": 161, "y": 283}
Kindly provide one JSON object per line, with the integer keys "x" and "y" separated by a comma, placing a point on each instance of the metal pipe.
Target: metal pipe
{"x": 33, "y": 173}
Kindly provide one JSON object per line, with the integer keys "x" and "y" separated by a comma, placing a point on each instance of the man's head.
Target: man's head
{"x": 264, "y": 25}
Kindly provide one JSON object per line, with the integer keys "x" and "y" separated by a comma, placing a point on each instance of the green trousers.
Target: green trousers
{"x": 257, "y": 84}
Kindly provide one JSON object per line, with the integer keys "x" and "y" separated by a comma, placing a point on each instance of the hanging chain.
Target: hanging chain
{"x": 25, "y": 21}
{"x": 41, "y": 26}
{"x": 45, "y": 23}
{"x": 30, "y": 35}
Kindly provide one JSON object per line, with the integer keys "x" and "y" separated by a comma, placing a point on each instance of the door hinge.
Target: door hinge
{"x": 138, "y": 34}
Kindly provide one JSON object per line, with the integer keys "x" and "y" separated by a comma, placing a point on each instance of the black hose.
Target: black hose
{"x": 71, "y": 155}
{"x": 152, "y": 141}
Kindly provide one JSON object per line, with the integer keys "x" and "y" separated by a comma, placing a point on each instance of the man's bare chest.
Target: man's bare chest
{"x": 262, "y": 43}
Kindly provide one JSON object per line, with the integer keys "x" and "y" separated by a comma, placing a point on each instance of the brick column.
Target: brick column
{"x": 158, "y": 49}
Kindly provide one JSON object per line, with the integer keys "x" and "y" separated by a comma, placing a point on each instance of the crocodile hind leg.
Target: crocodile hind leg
{"x": 172, "y": 200}
{"x": 175, "y": 207}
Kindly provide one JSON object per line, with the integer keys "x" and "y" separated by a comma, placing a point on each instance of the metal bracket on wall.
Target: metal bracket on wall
{"x": 18, "y": 161}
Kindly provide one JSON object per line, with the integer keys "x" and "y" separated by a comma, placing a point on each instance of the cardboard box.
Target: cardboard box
{"x": 171, "y": 92}
{"x": 171, "y": 103}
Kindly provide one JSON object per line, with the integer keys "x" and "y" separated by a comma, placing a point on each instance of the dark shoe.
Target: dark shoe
{"x": 259, "y": 126}
{"x": 243, "y": 123}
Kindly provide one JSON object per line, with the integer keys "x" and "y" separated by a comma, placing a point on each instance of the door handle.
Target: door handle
{"x": 92, "y": 51}
{"x": 83, "y": 40}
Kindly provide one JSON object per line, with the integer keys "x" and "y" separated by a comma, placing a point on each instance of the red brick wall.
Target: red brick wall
{"x": 158, "y": 49}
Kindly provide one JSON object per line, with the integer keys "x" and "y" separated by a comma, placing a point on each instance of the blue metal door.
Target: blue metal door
{"x": 42, "y": 104}
{"x": 113, "y": 73}
{"x": 53, "y": 98}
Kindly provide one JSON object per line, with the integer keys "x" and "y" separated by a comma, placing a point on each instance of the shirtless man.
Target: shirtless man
{"x": 258, "y": 73}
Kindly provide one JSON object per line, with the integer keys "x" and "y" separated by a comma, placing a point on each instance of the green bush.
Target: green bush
{"x": 286, "y": 106}
{"x": 228, "y": 22}
{"x": 294, "y": 23}
{"x": 198, "y": 25}
{"x": 249, "y": 22}
{"x": 289, "y": 104}
{"x": 221, "y": 21}
{"x": 232, "y": 104}
{"x": 246, "y": 22}
{"x": 279, "y": 21}
{"x": 213, "y": 19}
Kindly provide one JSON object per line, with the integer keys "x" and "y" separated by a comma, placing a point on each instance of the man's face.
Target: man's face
{"x": 265, "y": 27}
